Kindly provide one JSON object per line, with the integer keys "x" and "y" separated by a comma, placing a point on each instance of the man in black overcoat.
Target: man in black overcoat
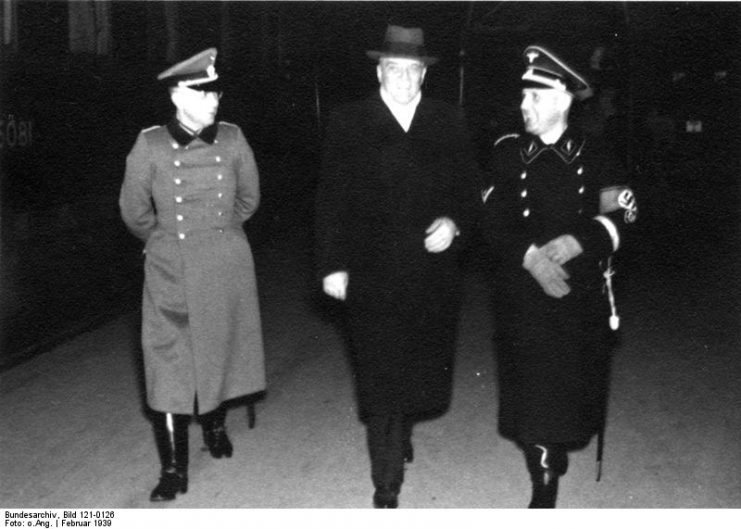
{"x": 557, "y": 208}
{"x": 395, "y": 199}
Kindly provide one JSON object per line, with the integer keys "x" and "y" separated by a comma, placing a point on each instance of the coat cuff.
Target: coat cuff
{"x": 595, "y": 237}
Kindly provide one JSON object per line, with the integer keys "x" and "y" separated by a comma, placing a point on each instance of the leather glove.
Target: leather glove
{"x": 440, "y": 235}
{"x": 562, "y": 249}
{"x": 551, "y": 276}
{"x": 335, "y": 285}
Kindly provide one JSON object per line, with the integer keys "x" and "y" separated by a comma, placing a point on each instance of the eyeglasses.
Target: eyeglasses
{"x": 399, "y": 70}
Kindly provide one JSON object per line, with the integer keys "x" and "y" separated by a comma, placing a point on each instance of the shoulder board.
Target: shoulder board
{"x": 505, "y": 137}
{"x": 151, "y": 128}
{"x": 228, "y": 124}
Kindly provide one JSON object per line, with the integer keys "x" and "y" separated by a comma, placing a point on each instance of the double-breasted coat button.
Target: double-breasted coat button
{"x": 526, "y": 213}
{"x": 523, "y": 194}
{"x": 178, "y": 181}
{"x": 181, "y": 236}
{"x": 581, "y": 190}
{"x": 177, "y": 163}
{"x": 523, "y": 175}
{"x": 221, "y": 195}
{"x": 178, "y": 199}
{"x": 221, "y": 213}
{"x": 218, "y": 158}
{"x": 220, "y": 177}
{"x": 179, "y": 217}
{"x": 174, "y": 145}
{"x": 580, "y": 170}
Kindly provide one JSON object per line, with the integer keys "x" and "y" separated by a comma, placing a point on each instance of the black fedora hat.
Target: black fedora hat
{"x": 403, "y": 42}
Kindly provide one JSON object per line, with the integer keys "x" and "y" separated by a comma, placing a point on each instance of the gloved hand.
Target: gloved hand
{"x": 335, "y": 285}
{"x": 440, "y": 235}
{"x": 551, "y": 276}
{"x": 562, "y": 249}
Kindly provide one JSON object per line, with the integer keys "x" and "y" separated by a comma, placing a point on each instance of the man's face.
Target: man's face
{"x": 196, "y": 108}
{"x": 543, "y": 109}
{"x": 401, "y": 78}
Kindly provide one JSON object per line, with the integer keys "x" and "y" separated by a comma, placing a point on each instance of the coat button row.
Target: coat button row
{"x": 178, "y": 162}
{"x": 180, "y": 218}
{"x": 179, "y": 181}
{"x": 526, "y": 212}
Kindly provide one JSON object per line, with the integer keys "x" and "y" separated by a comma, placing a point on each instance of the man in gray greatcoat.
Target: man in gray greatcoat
{"x": 189, "y": 187}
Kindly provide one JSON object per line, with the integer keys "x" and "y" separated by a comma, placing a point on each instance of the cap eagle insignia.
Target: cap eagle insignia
{"x": 532, "y": 55}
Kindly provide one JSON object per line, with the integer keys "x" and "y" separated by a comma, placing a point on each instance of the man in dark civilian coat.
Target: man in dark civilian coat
{"x": 557, "y": 208}
{"x": 397, "y": 192}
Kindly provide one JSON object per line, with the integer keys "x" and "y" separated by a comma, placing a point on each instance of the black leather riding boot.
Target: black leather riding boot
{"x": 385, "y": 439}
{"x": 546, "y": 463}
{"x": 214, "y": 433}
{"x": 171, "y": 436}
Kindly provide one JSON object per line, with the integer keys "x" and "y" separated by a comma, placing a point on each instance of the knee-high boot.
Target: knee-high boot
{"x": 385, "y": 439}
{"x": 171, "y": 436}
{"x": 546, "y": 463}
{"x": 214, "y": 433}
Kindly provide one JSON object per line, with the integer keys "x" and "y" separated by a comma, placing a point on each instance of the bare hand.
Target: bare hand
{"x": 335, "y": 285}
{"x": 440, "y": 235}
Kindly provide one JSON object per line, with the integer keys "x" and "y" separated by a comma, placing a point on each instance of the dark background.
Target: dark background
{"x": 67, "y": 262}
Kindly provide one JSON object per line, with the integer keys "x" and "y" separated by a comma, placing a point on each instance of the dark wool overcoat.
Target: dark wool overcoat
{"x": 187, "y": 200}
{"x": 380, "y": 189}
{"x": 553, "y": 354}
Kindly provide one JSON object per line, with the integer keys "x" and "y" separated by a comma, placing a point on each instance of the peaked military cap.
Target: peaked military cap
{"x": 545, "y": 70}
{"x": 198, "y": 70}
{"x": 403, "y": 42}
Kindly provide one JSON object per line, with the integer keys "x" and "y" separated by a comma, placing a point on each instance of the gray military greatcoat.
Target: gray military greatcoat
{"x": 187, "y": 200}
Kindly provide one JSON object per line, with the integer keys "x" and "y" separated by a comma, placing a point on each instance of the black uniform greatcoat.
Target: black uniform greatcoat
{"x": 380, "y": 189}
{"x": 552, "y": 353}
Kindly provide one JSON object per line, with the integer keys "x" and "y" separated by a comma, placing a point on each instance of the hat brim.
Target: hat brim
{"x": 375, "y": 55}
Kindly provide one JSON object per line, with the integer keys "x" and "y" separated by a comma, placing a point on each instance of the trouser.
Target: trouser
{"x": 385, "y": 445}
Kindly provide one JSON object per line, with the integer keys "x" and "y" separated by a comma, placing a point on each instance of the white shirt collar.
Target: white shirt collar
{"x": 403, "y": 113}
